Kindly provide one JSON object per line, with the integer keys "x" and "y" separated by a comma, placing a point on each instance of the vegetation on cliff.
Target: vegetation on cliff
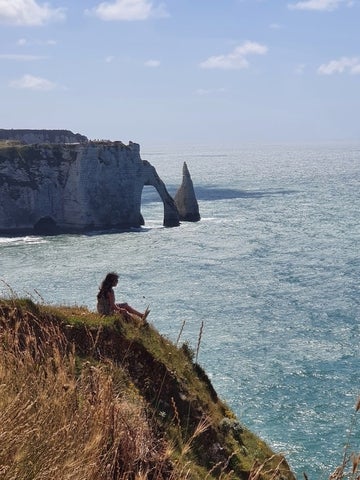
{"x": 90, "y": 398}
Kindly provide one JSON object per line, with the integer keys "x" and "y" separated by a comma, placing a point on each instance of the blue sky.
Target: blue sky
{"x": 224, "y": 72}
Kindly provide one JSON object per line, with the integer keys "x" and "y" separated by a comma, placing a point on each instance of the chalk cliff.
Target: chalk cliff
{"x": 185, "y": 198}
{"x": 68, "y": 187}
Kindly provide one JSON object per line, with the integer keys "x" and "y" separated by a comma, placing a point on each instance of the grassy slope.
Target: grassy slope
{"x": 191, "y": 432}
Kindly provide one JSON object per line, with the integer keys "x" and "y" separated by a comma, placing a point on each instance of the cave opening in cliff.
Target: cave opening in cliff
{"x": 46, "y": 226}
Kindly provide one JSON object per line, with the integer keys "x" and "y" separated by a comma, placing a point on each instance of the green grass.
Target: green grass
{"x": 164, "y": 399}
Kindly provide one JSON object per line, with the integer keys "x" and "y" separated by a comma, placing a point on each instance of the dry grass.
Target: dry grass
{"x": 60, "y": 418}
{"x": 349, "y": 467}
{"x": 71, "y": 419}
{"x": 55, "y": 423}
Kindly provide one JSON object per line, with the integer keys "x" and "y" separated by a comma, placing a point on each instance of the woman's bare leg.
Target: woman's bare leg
{"x": 129, "y": 309}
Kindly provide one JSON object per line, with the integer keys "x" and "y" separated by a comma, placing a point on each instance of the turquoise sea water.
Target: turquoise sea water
{"x": 272, "y": 271}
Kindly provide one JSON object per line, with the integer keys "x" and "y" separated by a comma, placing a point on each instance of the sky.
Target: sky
{"x": 184, "y": 72}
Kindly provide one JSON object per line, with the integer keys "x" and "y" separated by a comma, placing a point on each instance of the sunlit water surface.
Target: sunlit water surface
{"x": 272, "y": 271}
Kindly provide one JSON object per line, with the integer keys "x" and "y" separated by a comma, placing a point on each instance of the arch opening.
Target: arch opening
{"x": 151, "y": 206}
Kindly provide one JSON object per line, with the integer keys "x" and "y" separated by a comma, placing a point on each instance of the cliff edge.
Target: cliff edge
{"x": 90, "y": 397}
{"x": 31, "y": 136}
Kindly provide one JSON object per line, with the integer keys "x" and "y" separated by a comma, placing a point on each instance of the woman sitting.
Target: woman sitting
{"x": 106, "y": 299}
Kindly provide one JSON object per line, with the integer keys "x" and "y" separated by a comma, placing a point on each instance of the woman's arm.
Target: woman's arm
{"x": 111, "y": 298}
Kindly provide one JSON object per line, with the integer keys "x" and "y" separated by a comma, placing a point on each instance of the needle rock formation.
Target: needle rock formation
{"x": 185, "y": 199}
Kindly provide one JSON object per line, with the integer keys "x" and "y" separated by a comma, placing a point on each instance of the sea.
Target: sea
{"x": 264, "y": 289}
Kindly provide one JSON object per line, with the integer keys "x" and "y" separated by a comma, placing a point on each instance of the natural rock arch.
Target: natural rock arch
{"x": 150, "y": 177}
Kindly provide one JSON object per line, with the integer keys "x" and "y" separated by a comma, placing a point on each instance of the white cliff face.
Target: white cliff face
{"x": 56, "y": 188}
{"x": 104, "y": 187}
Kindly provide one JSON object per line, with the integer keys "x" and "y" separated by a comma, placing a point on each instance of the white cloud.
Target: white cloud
{"x": 356, "y": 69}
{"x": 237, "y": 59}
{"x": 299, "y": 69}
{"x": 152, "y": 63}
{"x": 209, "y": 91}
{"x": 29, "y": 82}
{"x": 20, "y": 58}
{"x": 28, "y": 13}
{"x": 343, "y": 65}
{"x": 109, "y": 59}
{"x": 127, "y": 10}
{"x": 319, "y": 5}
{"x": 275, "y": 26}
{"x": 24, "y": 42}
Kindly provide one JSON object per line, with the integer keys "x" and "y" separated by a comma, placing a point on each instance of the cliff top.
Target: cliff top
{"x": 30, "y": 136}
{"x": 140, "y": 402}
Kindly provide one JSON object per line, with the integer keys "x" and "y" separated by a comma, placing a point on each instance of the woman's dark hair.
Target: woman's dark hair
{"x": 108, "y": 283}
